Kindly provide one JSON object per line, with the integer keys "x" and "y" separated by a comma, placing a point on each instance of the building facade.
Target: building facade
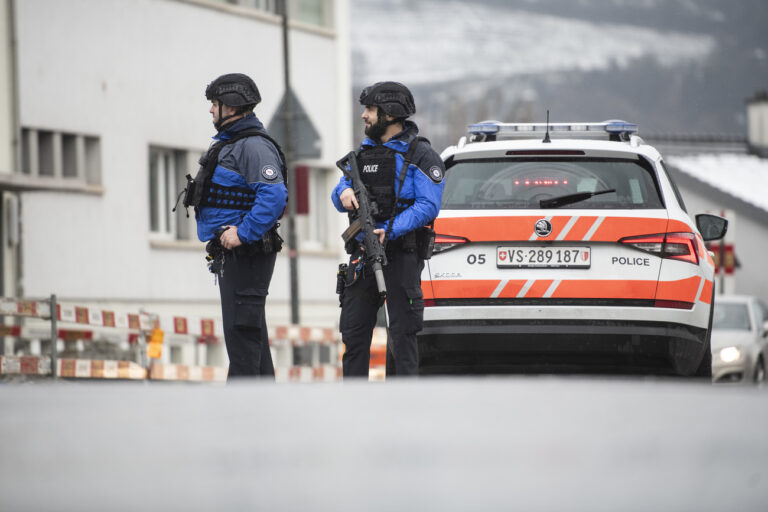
{"x": 103, "y": 113}
{"x": 728, "y": 176}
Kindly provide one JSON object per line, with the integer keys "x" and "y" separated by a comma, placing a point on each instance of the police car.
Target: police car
{"x": 566, "y": 247}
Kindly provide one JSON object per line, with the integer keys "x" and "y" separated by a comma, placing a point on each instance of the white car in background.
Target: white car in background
{"x": 565, "y": 248}
{"x": 739, "y": 339}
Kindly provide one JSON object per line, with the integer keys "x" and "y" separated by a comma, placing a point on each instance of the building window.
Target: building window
{"x": 264, "y": 5}
{"x": 311, "y": 12}
{"x": 261, "y": 5}
{"x": 167, "y": 171}
{"x": 313, "y": 191}
{"x": 69, "y": 158}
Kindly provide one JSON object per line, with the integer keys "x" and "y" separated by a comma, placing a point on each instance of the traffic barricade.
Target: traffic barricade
{"x": 300, "y": 353}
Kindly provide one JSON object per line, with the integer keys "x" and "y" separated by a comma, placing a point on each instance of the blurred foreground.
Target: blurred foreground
{"x": 525, "y": 443}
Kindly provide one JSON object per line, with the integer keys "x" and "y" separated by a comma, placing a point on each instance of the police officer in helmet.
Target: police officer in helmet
{"x": 239, "y": 194}
{"x": 404, "y": 178}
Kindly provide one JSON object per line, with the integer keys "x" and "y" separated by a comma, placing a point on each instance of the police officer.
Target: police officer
{"x": 405, "y": 203}
{"x": 238, "y": 195}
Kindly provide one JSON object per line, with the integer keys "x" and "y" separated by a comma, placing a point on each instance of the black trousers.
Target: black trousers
{"x": 244, "y": 284}
{"x": 405, "y": 305}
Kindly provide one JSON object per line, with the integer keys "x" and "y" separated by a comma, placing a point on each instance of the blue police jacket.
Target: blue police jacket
{"x": 423, "y": 182}
{"x": 251, "y": 162}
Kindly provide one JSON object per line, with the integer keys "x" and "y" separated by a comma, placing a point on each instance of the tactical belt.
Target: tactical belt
{"x": 270, "y": 242}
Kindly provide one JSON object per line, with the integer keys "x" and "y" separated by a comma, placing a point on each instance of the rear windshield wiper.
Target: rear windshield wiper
{"x": 557, "y": 202}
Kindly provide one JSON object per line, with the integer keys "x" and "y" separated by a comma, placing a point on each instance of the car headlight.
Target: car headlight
{"x": 730, "y": 354}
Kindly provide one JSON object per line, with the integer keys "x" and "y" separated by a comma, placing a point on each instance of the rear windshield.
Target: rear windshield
{"x": 730, "y": 316}
{"x": 520, "y": 183}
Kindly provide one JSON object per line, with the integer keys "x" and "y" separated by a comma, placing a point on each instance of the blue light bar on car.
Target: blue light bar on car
{"x": 618, "y": 126}
{"x": 484, "y": 128}
{"x": 522, "y": 129}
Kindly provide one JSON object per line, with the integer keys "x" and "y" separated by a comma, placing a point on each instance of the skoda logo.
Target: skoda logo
{"x": 543, "y": 227}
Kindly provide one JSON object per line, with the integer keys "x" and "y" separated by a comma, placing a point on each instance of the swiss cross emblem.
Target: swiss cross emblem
{"x": 269, "y": 173}
{"x": 436, "y": 174}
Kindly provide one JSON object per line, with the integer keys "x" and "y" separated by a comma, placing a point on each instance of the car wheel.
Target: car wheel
{"x": 705, "y": 367}
{"x": 759, "y": 371}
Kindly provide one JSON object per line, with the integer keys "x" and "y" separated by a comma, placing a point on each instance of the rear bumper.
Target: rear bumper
{"x": 548, "y": 312}
{"x": 574, "y": 346}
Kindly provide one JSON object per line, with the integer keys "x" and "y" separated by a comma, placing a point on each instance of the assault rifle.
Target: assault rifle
{"x": 362, "y": 220}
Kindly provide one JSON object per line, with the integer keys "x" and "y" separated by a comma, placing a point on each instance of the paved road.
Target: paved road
{"x": 523, "y": 443}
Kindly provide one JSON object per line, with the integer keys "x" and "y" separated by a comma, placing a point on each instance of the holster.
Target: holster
{"x": 215, "y": 255}
{"x": 420, "y": 240}
{"x": 425, "y": 242}
{"x": 406, "y": 243}
{"x": 271, "y": 242}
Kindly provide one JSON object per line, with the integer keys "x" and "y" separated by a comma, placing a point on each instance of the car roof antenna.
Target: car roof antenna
{"x": 546, "y": 135}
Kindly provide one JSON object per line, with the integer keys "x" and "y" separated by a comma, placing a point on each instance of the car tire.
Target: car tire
{"x": 705, "y": 367}
{"x": 759, "y": 375}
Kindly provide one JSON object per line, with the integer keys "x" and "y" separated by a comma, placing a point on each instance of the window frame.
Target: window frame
{"x": 55, "y": 159}
{"x": 165, "y": 183}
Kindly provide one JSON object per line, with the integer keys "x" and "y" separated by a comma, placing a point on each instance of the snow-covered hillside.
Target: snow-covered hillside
{"x": 673, "y": 66}
{"x": 428, "y": 41}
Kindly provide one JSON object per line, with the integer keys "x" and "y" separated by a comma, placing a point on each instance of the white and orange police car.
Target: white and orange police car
{"x": 565, "y": 247}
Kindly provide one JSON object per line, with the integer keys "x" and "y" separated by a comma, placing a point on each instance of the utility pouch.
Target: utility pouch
{"x": 193, "y": 193}
{"x": 425, "y": 242}
{"x": 277, "y": 240}
{"x": 341, "y": 278}
{"x": 189, "y": 192}
{"x": 274, "y": 240}
{"x": 269, "y": 243}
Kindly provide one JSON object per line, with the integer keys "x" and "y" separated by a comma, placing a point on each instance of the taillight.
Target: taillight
{"x": 674, "y": 304}
{"x": 675, "y": 246}
{"x": 445, "y": 242}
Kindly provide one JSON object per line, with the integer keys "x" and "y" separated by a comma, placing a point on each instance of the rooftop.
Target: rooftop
{"x": 742, "y": 176}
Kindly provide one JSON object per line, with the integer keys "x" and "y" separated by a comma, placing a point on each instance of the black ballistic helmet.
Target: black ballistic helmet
{"x": 392, "y": 97}
{"x": 234, "y": 90}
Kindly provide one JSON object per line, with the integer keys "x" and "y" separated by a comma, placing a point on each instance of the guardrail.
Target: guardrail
{"x": 300, "y": 353}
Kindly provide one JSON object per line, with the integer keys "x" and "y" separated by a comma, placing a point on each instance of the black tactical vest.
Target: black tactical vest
{"x": 378, "y": 170}
{"x": 202, "y": 191}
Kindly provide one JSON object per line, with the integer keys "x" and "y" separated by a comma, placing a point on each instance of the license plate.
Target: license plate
{"x": 543, "y": 257}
